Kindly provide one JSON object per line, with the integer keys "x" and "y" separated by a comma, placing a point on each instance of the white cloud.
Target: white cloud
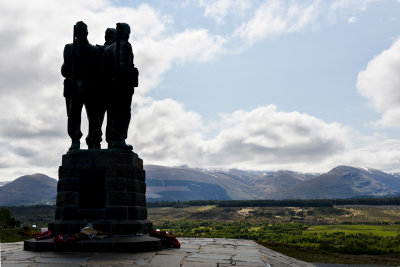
{"x": 376, "y": 151}
{"x": 271, "y": 139}
{"x": 221, "y": 8}
{"x": 380, "y": 83}
{"x": 277, "y": 17}
{"x": 344, "y": 8}
{"x": 154, "y": 56}
{"x": 351, "y": 4}
{"x": 352, "y": 19}
{"x": 164, "y": 132}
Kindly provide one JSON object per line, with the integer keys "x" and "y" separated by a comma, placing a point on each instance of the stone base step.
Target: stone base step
{"x": 132, "y": 243}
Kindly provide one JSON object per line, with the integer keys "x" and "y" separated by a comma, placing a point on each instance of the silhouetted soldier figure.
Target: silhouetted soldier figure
{"x": 124, "y": 77}
{"x": 104, "y": 83}
{"x": 79, "y": 69}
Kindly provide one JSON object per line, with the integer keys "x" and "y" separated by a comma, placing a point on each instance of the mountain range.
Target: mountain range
{"x": 184, "y": 183}
{"x": 344, "y": 182}
{"x": 28, "y": 190}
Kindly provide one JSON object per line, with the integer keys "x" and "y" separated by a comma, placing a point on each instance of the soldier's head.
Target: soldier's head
{"x": 111, "y": 35}
{"x": 124, "y": 31}
{"x": 81, "y": 29}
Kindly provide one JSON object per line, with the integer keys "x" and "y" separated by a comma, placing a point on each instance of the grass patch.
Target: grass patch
{"x": 205, "y": 208}
{"x": 381, "y": 230}
{"x": 335, "y": 258}
{"x": 255, "y": 228}
{"x": 12, "y": 235}
{"x": 208, "y": 212}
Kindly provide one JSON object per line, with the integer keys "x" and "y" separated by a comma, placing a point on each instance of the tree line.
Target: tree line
{"x": 6, "y": 220}
{"x": 281, "y": 203}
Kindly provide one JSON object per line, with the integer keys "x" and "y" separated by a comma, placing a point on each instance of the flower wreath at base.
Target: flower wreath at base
{"x": 65, "y": 240}
{"x": 44, "y": 235}
{"x": 87, "y": 232}
{"x": 167, "y": 240}
{"x": 60, "y": 240}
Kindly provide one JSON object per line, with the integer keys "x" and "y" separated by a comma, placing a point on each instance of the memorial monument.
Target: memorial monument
{"x": 102, "y": 187}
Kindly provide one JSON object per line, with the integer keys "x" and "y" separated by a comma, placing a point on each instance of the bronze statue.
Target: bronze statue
{"x": 123, "y": 75}
{"x": 81, "y": 63}
{"x": 105, "y": 83}
{"x": 102, "y": 78}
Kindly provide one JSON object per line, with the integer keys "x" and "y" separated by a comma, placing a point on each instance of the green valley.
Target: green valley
{"x": 310, "y": 231}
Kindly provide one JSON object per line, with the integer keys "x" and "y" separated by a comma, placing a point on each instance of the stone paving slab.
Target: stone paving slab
{"x": 194, "y": 252}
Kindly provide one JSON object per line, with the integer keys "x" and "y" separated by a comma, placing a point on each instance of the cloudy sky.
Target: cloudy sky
{"x": 304, "y": 85}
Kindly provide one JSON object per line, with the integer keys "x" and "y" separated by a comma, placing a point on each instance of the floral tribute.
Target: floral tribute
{"x": 65, "y": 240}
{"x": 44, "y": 235}
{"x": 167, "y": 240}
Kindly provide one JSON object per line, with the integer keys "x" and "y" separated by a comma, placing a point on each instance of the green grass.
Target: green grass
{"x": 335, "y": 258}
{"x": 381, "y": 230}
{"x": 12, "y": 235}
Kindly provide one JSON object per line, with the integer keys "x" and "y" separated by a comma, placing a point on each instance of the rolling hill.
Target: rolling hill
{"x": 344, "y": 182}
{"x": 238, "y": 184}
{"x": 4, "y": 183}
{"x": 29, "y": 189}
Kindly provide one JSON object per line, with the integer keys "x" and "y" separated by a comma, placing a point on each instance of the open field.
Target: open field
{"x": 16, "y": 234}
{"x": 336, "y": 258}
{"x": 345, "y": 214}
{"x": 360, "y": 245}
{"x": 381, "y": 230}
{"x": 307, "y": 215}
{"x": 12, "y": 235}
{"x": 339, "y": 234}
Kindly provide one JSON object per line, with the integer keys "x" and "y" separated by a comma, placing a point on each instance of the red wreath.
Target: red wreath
{"x": 44, "y": 235}
{"x": 64, "y": 240}
{"x": 167, "y": 240}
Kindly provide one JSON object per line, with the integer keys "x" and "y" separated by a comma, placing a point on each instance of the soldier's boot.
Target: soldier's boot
{"x": 121, "y": 145}
{"x": 93, "y": 142}
{"x": 76, "y": 145}
{"x": 97, "y": 146}
{"x": 94, "y": 146}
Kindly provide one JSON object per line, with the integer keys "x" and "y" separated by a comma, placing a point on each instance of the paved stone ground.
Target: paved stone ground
{"x": 347, "y": 265}
{"x": 196, "y": 252}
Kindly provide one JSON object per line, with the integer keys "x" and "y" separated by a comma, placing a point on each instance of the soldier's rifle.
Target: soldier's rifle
{"x": 118, "y": 56}
{"x": 73, "y": 60}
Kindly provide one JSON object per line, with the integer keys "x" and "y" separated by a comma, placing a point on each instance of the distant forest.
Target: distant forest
{"x": 281, "y": 203}
{"x": 42, "y": 214}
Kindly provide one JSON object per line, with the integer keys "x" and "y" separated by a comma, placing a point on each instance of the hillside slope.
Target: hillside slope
{"x": 29, "y": 189}
{"x": 343, "y": 182}
{"x": 238, "y": 184}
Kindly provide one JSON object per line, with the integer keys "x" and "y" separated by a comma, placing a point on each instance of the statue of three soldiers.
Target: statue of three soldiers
{"x": 102, "y": 78}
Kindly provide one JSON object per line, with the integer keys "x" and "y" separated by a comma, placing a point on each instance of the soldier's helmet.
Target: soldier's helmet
{"x": 111, "y": 35}
{"x": 124, "y": 30}
{"x": 81, "y": 29}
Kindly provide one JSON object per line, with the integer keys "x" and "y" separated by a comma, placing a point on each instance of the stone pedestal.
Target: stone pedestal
{"x": 104, "y": 187}
{"x": 128, "y": 243}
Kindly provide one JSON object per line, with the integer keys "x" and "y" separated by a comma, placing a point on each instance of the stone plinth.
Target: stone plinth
{"x": 105, "y": 187}
{"x": 129, "y": 243}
